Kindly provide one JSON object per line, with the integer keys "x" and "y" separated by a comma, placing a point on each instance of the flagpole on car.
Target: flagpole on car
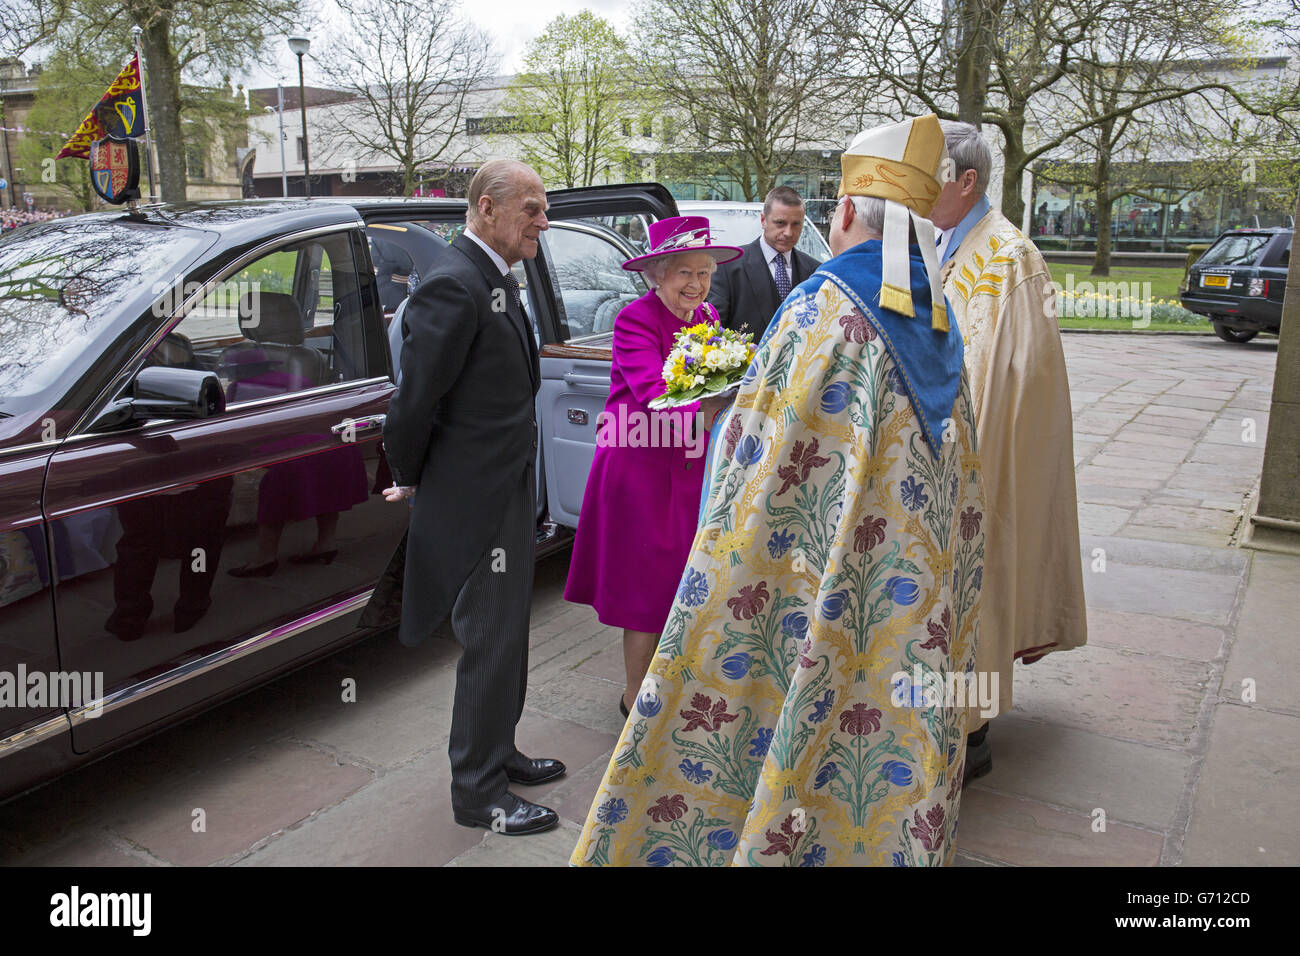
{"x": 136, "y": 31}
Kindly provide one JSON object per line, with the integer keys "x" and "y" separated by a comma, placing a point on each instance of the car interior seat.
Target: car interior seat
{"x": 273, "y": 359}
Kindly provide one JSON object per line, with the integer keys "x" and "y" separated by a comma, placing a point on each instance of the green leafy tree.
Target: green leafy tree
{"x": 202, "y": 42}
{"x": 573, "y": 102}
{"x": 68, "y": 87}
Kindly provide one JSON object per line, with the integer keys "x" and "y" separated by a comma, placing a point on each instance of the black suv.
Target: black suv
{"x": 1240, "y": 281}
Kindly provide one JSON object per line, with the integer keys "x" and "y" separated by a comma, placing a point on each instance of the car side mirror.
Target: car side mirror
{"x": 160, "y": 392}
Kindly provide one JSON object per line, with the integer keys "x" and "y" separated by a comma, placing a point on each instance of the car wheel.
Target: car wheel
{"x": 1234, "y": 335}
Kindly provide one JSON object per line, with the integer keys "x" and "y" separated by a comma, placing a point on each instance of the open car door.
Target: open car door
{"x": 577, "y": 286}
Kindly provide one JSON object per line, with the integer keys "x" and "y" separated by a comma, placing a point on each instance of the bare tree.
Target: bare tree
{"x": 413, "y": 71}
{"x": 752, "y": 79}
{"x": 921, "y": 53}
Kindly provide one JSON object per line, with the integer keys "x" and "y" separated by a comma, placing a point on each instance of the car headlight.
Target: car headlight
{"x": 1257, "y": 287}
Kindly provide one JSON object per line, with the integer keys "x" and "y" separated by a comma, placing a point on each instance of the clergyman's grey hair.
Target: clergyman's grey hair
{"x": 871, "y": 210}
{"x": 967, "y": 149}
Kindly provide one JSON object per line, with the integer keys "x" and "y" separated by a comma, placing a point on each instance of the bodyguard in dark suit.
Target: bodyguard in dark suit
{"x": 461, "y": 440}
{"x": 747, "y": 291}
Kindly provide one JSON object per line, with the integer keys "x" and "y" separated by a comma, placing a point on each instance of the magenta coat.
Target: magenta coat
{"x": 642, "y": 501}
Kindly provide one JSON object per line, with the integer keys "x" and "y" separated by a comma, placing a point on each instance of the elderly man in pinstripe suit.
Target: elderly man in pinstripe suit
{"x": 461, "y": 439}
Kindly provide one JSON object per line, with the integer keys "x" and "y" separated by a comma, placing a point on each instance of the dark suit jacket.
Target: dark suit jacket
{"x": 744, "y": 292}
{"x": 461, "y": 427}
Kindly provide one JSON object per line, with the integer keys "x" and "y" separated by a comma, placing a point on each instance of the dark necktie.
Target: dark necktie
{"x": 782, "y": 277}
{"x": 513, "y": 285}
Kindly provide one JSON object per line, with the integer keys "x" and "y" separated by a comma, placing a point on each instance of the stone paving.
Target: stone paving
{"x": 1169, "y": 739}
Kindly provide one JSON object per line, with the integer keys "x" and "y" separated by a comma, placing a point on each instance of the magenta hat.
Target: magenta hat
{"x": 668, "y": 237}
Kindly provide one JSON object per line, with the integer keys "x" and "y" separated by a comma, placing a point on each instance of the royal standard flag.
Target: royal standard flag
{"x": 118, "y": 113}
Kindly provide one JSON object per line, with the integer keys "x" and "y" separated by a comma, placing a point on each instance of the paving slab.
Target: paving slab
{"x": 1139, "y": 697}
{"x": 237, "y": 802}
{"x": 1266, "y": 651}
{"x": 1151, "y": 634}
{"x": 1031, "y": 833}
{"x": 402, "y": 818}
{"x": 1246, "y": 812}
{"x": 1065, "y": 767}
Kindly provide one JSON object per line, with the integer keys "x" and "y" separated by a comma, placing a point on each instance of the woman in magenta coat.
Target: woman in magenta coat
{"x": 642, "y": 498}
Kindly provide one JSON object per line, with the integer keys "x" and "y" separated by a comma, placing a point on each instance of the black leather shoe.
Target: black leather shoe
{"x": 511, "y": 815}
{"x": 530, "y": 772}
{"x": 979, "y": 756}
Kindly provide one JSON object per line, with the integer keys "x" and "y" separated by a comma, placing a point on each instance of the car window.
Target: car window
{"x": 289, "y": 321}
{"x": 1235, "y": 250}
{"x": 65, "y": 286}
{"x": 587, "y": 270}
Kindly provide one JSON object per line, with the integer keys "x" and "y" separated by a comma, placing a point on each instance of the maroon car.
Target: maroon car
{"x": 191, "y": 401}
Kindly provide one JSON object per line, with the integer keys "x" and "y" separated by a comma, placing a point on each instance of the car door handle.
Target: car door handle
{"x": 589, "y": 381}
{"x": 355, "y": 425}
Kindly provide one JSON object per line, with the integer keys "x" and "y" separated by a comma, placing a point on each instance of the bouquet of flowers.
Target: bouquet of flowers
{"x": 706, "y": 360}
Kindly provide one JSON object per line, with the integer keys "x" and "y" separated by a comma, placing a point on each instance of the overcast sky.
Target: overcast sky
{"x": 512, "y": 22}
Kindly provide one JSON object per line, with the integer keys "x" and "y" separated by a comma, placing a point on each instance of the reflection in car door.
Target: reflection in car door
{"x": 184, "y": 511}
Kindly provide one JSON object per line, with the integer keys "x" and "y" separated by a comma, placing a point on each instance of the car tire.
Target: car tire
{"x": 1237, "y": 336}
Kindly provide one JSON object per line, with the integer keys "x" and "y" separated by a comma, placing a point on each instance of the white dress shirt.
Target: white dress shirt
{"x": 492, "y": 253}
{"x": 769, "y": 254}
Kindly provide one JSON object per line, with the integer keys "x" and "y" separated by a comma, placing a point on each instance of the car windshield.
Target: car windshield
{"x": 1236, "y": 250}
{"x": 739, "y": 227}
{"x": 62, "y": 285}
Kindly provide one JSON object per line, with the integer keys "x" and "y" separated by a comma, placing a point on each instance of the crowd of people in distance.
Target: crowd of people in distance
{"x": 13, "y": 217}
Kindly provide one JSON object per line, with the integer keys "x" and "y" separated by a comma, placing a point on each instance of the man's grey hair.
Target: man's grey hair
{"x": 497, "y": 178}
{"x": 871, "y": 211}
{"x": 655, "y": 270}
{"x": 967, "y": 149}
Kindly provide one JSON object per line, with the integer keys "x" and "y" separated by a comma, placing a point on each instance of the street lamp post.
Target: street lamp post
{"x": 299, "y": 46}
{"x": 284, "y": 170}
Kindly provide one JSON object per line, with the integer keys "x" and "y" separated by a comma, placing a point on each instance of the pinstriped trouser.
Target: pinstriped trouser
{"x": 490, "y": 620}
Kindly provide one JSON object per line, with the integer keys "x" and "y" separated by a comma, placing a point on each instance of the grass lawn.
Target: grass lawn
{"x": 1164, "y": 281}
{"x": 1127, "y": 325}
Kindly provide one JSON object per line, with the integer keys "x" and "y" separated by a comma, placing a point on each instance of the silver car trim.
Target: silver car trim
{"x": 205, "y": 665}
{"x": 34, "y": 735}
{"x": 115, "y": 386}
